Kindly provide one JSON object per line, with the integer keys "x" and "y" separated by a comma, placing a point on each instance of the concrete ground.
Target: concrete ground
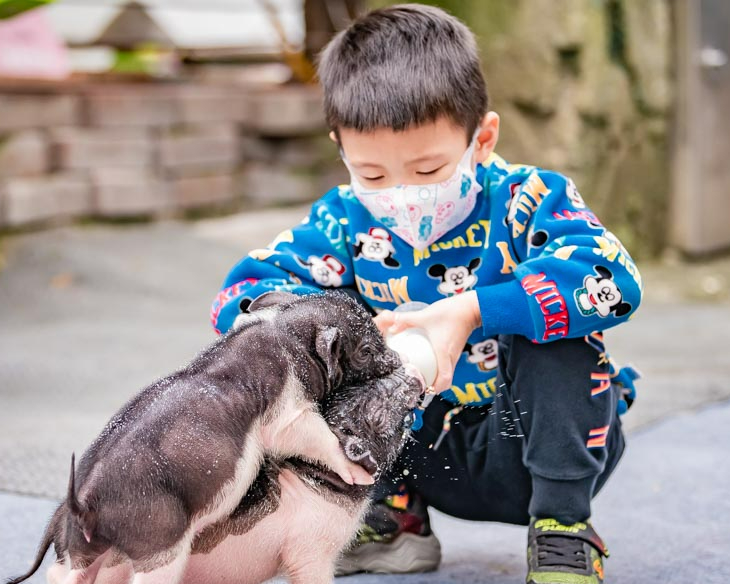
{"x": 90, "y": 314}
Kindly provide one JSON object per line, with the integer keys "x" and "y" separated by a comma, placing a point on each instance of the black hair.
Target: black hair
{"x": 403, "y": 66}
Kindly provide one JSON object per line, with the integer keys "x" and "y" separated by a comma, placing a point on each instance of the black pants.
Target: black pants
{"x": 544, "y": 448}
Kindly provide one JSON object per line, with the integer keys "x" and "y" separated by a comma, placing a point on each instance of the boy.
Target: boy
{"x": 517, "y": 272}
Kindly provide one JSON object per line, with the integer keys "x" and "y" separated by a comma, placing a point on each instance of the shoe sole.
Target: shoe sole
{"x": 406, "y": 554}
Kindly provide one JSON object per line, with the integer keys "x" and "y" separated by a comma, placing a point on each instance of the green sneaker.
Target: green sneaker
{"x": 564, "y": 554}
{"x": 396, "y": 538}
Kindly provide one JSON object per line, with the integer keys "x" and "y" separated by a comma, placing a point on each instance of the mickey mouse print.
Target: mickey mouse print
{"x": 600, "y": 295}
{"x": 457, "y": 279}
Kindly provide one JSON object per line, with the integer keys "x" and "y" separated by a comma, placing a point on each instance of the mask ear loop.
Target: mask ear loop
{"x": 353, "y": 178}
{"x": 470, "y": 152}
{"x": 343, "y": 157}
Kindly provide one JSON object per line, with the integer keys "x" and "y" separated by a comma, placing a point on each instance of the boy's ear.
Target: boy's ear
{"x": 333, "y": 137}
{"x": 487, "y": 136}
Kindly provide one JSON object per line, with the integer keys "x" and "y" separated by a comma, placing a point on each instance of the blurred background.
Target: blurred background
{"x": 115, "y": 109}
{"x": 146, "y": 146}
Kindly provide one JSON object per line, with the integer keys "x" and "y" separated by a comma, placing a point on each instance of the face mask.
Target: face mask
{"x": 421, "y": 214}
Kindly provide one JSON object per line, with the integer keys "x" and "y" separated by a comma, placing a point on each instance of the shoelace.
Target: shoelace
{"x": 446, "y": 426}
{"x": 554, "y": 550}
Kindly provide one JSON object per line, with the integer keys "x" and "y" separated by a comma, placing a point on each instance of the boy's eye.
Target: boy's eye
{"x": 373, "y": 177}
{"x": 434, "y": 171}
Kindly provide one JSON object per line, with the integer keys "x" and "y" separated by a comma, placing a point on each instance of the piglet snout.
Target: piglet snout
{"x": 413, "y": 371}
{"x": 356, "y": 452}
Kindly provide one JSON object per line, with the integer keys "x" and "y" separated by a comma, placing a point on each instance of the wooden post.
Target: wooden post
{"x": 700, "y": 203}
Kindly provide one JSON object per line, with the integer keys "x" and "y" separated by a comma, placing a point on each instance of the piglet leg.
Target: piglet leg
{"x": 309, "y": 436}
{"x": 120, "y": 574}
{"x": 312, "y": 542}
{"x": 57, "y": 573}
{"x": 313, "y": 573}
{"x": 169, "y": 573}
{"x": 84, "y": 576}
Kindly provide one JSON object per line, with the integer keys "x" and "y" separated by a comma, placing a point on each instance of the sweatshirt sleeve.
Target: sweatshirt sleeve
{"x": 303, "y": 260}
{"x": 572, "y": 275}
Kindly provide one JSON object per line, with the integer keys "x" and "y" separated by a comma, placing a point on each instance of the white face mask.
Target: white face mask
{"x": 421, "y": 214}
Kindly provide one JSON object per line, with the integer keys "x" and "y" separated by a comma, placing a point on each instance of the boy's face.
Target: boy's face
{"x": 418, "y": 155}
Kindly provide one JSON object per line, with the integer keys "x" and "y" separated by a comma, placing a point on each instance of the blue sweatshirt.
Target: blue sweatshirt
{"x": 540, "y": 261}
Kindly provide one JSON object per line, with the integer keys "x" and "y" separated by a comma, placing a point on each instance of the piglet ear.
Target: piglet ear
{"x": 269, "y": 299}
{"x": 327, "y": 346}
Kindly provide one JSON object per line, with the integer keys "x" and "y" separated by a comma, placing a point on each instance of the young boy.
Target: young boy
{"x": 518, "y": 274}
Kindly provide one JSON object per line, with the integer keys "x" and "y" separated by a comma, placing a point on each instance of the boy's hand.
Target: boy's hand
{"x": 448, "y": 324}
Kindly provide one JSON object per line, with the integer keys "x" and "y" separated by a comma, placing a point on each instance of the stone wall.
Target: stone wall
{"x": 585, "y": 87}
{"x": 150, "y": 150}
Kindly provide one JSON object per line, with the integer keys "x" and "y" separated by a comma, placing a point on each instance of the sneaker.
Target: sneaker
{"x": 564, "y": 554}
{"x": 396, "y": 538}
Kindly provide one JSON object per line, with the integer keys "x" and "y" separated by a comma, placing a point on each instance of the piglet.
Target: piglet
{"x": 297, "y": 516}
{"x": 181, "y": 455}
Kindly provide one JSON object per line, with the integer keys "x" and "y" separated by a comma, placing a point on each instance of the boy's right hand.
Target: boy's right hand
{"x": 384, "y": 321}
{"x": 448, "y": 324}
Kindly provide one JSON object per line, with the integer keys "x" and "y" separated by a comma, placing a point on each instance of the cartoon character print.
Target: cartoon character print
{"x": 457, "y": 279}
{"x": 425, "y": 227}
{"x": 573, "y": 195}
{"x": 387, "y": 210}
{"x": 466, "y": 183}
{"x": 326, "y": 271}
{"x": 444, "y": 211}
{"x": 588, "y": 216}
{"x": 294, "y": 279}
{"x": 611, "y": 236}
{"x": 511, "y": 205}
{"x": 376, "y": 246}
{"x": 538, "y": 238}
{"x": 448, "y": 182}
{"x": 483, "y": 354}
{"x": 387, "y": 205}
{"x": 600, "y": 295}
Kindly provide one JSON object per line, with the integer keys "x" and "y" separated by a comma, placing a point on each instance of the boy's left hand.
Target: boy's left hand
{"x": 448, "y": 324}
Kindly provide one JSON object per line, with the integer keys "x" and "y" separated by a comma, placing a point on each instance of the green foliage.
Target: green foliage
{"x": 9, "y": 8}
{"x": 486, "y": 18}
{"x": 137, "y": 61}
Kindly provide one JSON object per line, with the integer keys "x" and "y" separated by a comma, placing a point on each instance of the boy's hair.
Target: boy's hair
{"x": 402, "y": 66}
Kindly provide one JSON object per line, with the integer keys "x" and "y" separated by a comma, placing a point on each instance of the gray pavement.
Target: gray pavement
{"x": 90, "y": 314}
